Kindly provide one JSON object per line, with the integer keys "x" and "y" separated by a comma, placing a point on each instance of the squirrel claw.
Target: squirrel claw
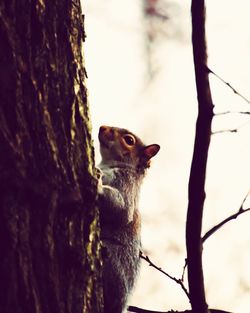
{"x": 98, "y": 173}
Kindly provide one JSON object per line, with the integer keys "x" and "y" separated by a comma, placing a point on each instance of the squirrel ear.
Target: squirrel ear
{"x": 150, "y": 151}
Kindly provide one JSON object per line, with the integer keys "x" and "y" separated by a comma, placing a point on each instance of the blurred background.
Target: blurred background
{"x": 141, "y": 77}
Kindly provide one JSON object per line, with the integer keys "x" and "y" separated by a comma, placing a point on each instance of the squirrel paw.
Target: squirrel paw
{"x": 98, "y": 173}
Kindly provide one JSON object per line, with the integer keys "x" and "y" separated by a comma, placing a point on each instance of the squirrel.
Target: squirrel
{"x": 125, "y": 160}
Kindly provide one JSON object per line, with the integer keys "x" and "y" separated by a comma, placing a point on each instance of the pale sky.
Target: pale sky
{"x": 164, "y": 112}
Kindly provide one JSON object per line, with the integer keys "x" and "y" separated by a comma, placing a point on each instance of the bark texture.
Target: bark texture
{"x": 50, "y": 256}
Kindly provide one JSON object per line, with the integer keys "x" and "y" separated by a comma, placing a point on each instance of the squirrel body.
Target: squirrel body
{"x": 124, "y": 162}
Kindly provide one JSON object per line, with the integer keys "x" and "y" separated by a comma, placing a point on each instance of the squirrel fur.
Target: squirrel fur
{"x": 125, "y": 160}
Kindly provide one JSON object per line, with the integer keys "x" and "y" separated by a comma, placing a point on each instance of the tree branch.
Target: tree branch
{"x": 178, "y": 281}
{"x": 184, "y": 270}
{"x": 139, "y": 310}
{"x": 226, "y": 220}
{"x": 232, "y": 130}
{"x": 199, "y": 162}
{"x": 232, "y": 112}
{"x": 229, "y": 85}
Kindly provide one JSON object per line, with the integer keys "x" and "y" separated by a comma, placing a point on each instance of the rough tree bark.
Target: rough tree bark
{"x": 50, "y": 256}
{"x": 199, "y": 162}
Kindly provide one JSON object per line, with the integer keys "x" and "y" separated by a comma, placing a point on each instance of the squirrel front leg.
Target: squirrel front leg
{"x": 112, "y": 205}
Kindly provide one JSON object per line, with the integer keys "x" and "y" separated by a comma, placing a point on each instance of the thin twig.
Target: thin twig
{"x": 226, "y": 220}
{"x": 178, "y": 281}
{"x": 183, "y": 271}
{"x": 232, "y": 112}
{"x": 233, "y": 130}
{"x": 229, "y": 85}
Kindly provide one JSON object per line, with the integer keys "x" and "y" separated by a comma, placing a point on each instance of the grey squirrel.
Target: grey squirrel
{"x": 124, "y": 162}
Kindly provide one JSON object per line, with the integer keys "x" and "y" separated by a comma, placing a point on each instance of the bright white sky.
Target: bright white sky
{"x": 164, "y": 112}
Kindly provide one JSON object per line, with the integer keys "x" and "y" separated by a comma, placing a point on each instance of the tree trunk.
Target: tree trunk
{"x": 49, "y": 234}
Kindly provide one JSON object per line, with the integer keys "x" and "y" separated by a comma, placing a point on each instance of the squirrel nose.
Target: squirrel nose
{"x": 104, "y": 129}
{"x": 106, "y": 132}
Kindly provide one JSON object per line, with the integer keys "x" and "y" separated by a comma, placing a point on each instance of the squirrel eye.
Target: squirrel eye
{"x": 129, "y": 139}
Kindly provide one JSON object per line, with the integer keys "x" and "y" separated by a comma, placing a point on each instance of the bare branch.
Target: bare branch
{"x": 196, "y": 187}
{"x": 232, "y": 112}
{"x": 139, "y": 310}
{"x": 178, "y": 281}
{"x": 233, "y": 130}
{"x": 229, "y": 85}
{"x": 184, "y": 270}
{"x": 226, "y": 220}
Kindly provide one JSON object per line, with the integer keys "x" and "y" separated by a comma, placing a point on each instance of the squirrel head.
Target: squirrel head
{"x": 118, "y": 146}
